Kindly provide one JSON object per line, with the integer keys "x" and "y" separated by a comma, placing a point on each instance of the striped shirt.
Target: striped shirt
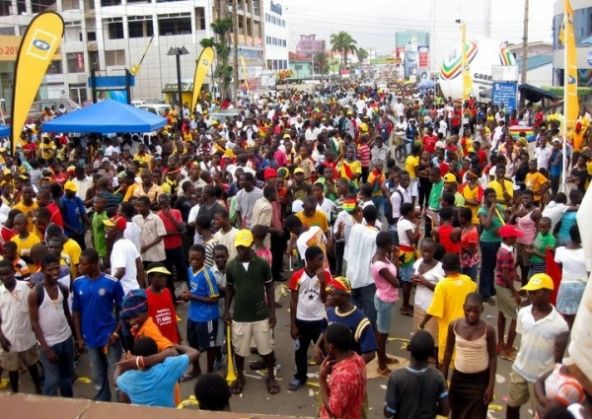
{"x": 364, "y": 155}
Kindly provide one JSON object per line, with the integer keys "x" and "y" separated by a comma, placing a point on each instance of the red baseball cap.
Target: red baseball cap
{"x": 116, "y": 221}
{"x": 509, "y": 230}
{"x": 269, "y": 173}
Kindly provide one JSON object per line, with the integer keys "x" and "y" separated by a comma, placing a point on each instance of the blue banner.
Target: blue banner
{"x": 504, "y": 92}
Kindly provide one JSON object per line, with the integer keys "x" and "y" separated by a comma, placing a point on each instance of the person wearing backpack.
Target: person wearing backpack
{"x": 51, "y": 322}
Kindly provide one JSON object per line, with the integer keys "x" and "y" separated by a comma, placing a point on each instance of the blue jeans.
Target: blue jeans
{"x": 102, "y": 366}
{"x": 363, "y": 298}
{"x": 486, "y": 277}
{"x": 60, "y": 373}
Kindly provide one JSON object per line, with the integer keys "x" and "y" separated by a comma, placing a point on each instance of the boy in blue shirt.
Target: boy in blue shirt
{"x": 203, "y": 313}
{"x": 96, "y": 297}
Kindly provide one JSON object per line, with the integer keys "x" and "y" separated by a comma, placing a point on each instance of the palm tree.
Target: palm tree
{"x": 362, "y": 54}
{"x": 344, "y": 44}
{"x": 321, "y": 65}
{"x": 221, "y": 43}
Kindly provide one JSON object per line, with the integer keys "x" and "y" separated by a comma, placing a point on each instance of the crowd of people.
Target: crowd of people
{"x": 106, "y": 242}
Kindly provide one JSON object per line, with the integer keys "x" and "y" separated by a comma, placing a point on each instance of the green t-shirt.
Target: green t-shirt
{"x": 98, "y": 231}
{"x": 435, "y": 195}
{"x": 249, "y": 289}
{"x": 542, "y": 242}
{"x": 459, "y": 200}
{"x": 490, "y": 235}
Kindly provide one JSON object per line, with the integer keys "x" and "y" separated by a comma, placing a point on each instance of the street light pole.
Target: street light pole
{"x": 177, "y": 52}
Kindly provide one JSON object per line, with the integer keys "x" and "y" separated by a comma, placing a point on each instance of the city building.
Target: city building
{"x": 276, "y": 36}
{"x": 582, "y": 21}
{"x": 113, "y": 35}
{"x": 308, "y": 46}
{"x": 539, "y": 67}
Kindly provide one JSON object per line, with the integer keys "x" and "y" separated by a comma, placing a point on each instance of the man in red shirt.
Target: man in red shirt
{"x": 429, "y": 141}
{"x": 160, "y": 302}
{"x": 342, "y": 378}
{"x": 173, "y": 241}
{"x": 44, "y": 201}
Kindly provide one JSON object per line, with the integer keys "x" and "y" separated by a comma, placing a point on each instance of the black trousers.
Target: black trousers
{"x": 176, "y": 262}
{"x": 278, "y": 248}
{"x": 309, "y": 332}
{"x": 339, "y": 251}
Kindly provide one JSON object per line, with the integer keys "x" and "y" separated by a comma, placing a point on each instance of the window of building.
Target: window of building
{"x": 174, "y": 24}
{"x": 115, "y": 57}
{"x": 110, "y": 2}
{"x": 5, "y": 6}
{"x": 269, "y": 65}
{"x": 55, "y": 67}
{"x": 200, "y": 18}
{"x": 140, "y": 26}
{"x": 39, "y": 6}
{"x": 139, "y": 1}
{"x": 89, "y": 4}
{"x": 7, "y": 30}
{"x": 75, "y": 62}
{"x": 256, "y": 7}
{"x": 115, "y": 28}
{"x": 70, "y": 4}
{"x": 91, "y": 36}
{"x": 21, "y": 7}
{"x": 78, "y": 93}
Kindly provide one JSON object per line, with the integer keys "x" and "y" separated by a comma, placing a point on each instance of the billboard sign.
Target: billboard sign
{"x": 504, "y": 93}
{"x": 423, "y": 52}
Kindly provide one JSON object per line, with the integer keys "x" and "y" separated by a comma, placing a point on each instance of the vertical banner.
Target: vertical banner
{"x": 245, "y": 72}
{"x": 424, "y": 57}
{"x": 466, "y": 71}
{"x": 201, "y": 70}
{"x": 38, "y": 47}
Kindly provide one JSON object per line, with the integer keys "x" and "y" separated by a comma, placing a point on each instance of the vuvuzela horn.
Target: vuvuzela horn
{"x": 230, "y": 372}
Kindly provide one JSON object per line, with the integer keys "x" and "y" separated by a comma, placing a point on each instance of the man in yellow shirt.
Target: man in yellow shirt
{"x": 311, "y": 216}
{"x": 449, "y": 296}
{"x": 536, "y": 182}
{"x": 23, "y": 239}
{"x": 27, "y": 205}
{"x": 504, "y": 188}
{"x": 472, "y": 192}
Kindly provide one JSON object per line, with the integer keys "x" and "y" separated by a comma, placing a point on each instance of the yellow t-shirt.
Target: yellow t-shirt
{"x": 534, "y": 182}
{"x": 146, "y": 159}
{"x": 475, "y": 194}
{"x": 411, "y": 163}
{"x": 73, "y": 250}
{"x": 319, "y": 219}
{"x": 578, "y": 139}
{"x": 28, "y": 211}
{"x": 497, "y": 187}
{"x": 355, "y": 168}
{"x": 23, "y": 246}
{"x": 447, "y": 304}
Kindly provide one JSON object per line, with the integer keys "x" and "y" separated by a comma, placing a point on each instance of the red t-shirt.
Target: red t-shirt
{"x": 429, "y": 143}
{"x": 56, "y": 214}
{"x": 162, "y": 311}
{"x": 444, "y": 232}
{"x": 5, "y": 235}
{"x": 443, "y": 166}
{"x": 171, "y": 242}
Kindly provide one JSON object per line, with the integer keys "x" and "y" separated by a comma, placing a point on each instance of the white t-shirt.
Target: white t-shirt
{"x": 543, "y": 157}
{"x": 554, "y": 211}
{"x": 133, "y": 232}
{"x": 348, "y": 222}
{"x": 537, "y": 347}
{"x": 396, "y": 203}
{"x": 424, "y": 295}
{"x": 124, "y": 255}
{"x": 310, "y": 307}
{"x": 314, "y": 236}
{"x": 573, "y": 263}
{"x": 403, "y": 226}
{"x": 359, "y": 250}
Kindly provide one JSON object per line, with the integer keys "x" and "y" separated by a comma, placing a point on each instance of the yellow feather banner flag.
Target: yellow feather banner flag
{"x": 205, "y": 60}
{"x": 466, "y": 71}
{"x": 245, "y": 72}
{"x": 38, "y": 47}
{"x": 571, "y": 106}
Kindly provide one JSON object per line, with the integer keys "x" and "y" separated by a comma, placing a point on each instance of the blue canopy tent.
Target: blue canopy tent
{"x": 106, "y": 117}
{"x": 4, "y": 131}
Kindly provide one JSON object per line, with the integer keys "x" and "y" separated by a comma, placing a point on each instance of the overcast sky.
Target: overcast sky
{"x": 373, "y": 23}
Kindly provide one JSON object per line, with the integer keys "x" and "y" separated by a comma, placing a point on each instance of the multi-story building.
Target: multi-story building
{"x": 308, "y": 46}
{"x": 582, "y": 22}
{"x": 112, "y": 35}
{"x": 276, "y": 36}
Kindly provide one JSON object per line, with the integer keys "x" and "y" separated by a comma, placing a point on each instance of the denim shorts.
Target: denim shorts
{"x": 384, "y": 314}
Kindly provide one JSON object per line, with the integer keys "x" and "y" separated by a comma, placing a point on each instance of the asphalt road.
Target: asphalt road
{"x": 255, "y": 398}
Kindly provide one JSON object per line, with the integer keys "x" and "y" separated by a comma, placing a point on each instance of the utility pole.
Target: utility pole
{"x": 235, "y": 41}
{"x": 524, "y": 45}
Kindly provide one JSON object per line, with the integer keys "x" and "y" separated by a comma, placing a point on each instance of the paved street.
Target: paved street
{"x": 303, "y": 402}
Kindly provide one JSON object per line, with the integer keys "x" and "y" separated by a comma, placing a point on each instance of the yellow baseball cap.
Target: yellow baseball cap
{"x": 538, "y": 282}
{"x": 158, "y": 270}
{"x": 70, "y": 186}
{"x": 298, "y": 170}
{"x": 363, "y": 127}
{"x": 449, "y": 178}
{"x": 243, "y": 238}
